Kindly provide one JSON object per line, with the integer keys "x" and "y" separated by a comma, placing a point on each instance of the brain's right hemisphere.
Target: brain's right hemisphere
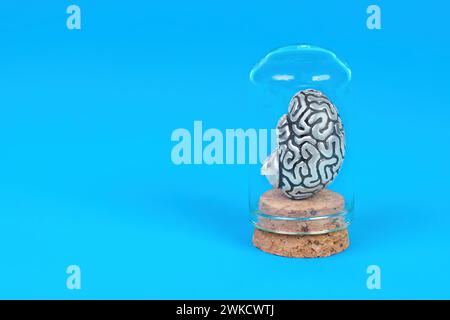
{"x": 311, "y": 145}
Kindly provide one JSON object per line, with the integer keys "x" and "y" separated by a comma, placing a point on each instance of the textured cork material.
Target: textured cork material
{"x": 325, "y": 203}
{"x": 323, "y": 236}
{"x": 315, "y": 246}
{"x": 274, "y": 202}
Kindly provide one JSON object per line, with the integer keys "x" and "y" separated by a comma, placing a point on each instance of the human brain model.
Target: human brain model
{"x": 311, "y": 146}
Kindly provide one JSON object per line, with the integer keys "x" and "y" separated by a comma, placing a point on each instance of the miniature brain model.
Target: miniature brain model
{"x": 311, "y": 145}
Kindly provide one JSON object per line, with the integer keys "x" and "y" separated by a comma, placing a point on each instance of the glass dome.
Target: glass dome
{"x": 300, "y": 67}
{"x": 278, "y": 78}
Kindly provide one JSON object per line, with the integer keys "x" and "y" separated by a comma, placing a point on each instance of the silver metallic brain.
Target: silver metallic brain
{"x": 311, "y": 146}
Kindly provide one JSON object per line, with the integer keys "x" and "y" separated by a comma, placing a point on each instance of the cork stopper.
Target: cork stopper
{"x": 293, "y": 246}
{"x": 313, "y": 227}
{"x": 274, "y": 202}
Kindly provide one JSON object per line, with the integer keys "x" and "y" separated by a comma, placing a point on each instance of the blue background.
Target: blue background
{"x": 86, "y": 176}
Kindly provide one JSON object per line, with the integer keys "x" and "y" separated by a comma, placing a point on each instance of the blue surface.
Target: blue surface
{"x": 85, "y": 171}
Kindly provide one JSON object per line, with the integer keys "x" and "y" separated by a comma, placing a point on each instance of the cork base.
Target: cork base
{"x": 296, "y": 246}
{"x": 317, "y": 233}
{"x": 274, "y": 204}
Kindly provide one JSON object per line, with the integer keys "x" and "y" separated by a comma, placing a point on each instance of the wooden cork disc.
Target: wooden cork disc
{"x": 274, "y": 202}
{"x": 318, "y": 237}
{"x": 294, "y": 246}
